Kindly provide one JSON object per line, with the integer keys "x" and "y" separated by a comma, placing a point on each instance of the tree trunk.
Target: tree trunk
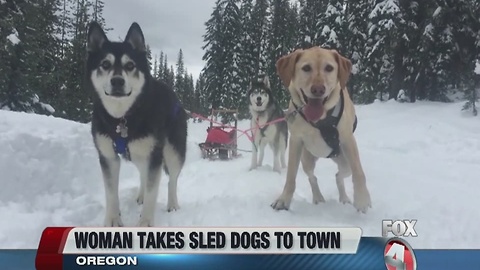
{"x": 398, "y": 75}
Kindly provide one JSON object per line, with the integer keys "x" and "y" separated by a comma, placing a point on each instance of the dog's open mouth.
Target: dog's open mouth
{"x": 118, "y": 94}
{"x": 313, "y": 109}
{"x": 259, "y": 104}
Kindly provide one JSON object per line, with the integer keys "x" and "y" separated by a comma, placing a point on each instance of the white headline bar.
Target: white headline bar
{"x": 170, "y": 240}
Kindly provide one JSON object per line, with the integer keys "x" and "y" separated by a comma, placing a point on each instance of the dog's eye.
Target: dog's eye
{"x": 329, "y": 68}
{"x": 129, "y": 66}
{"x": 307, "y": 68}
{"x": 106, "y": 64}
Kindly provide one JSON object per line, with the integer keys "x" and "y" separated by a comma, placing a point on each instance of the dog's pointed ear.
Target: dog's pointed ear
{"x": 95, "y": 37}
{"x": 344, "y": 68}
{"x": 266, "y": 81}
{"x": 135, "y": 38}
{"x": 286, "y": 67}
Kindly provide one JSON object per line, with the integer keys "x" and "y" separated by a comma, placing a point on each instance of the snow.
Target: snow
{"x": 421, "y": 161}
{"x": 477, "y": 68}
{"x": 13, "y": 37}
{"x": 384, "y": 7}
{"x": 437, "y": 11}
{"x": 46, "y": 107}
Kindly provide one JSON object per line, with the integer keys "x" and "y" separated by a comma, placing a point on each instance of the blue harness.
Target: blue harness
{"x": 120, "y": 142}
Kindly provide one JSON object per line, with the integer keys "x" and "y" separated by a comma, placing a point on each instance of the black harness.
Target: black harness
{"x": 120, "y": 142}
{"x": 264, "y": 128}
{"x": 328, "y": 126}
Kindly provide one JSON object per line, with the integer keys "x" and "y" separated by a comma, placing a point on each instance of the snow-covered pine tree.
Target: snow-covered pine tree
{"x": 310, "y": 11}
{"x": 155, "y": 66}
{"x": 414, "y": 48}
{"x": 330, "y": 25}
{"x": 64, "y": 29}
{"x": 43, "y": 76}
{"x": 233, "y": 94}
{"x": 28, "y": 58}
{"x": 214, "y": 69}
{"x": 11, "y": 80}
{"x": 179, "y": 87}
{"x": 166, "y": 70}
{"x": 189, "y": 91}
{"x": 472, "y": 94}
{"x": 247, "y": 62}
{"x": 294, "y": 19}
{"x": 259, "y": 34}
{"x": 356, "y": 29}
{"x": 406, "y": 31}
{"x": 201, "y": 98}
{"x": 64, "y": 26}
{"x": 282, "y": 40}
{"x": 469, "y": 51}
{"x": 383, "y": 34}
{"x": 160, "y": 70}
{"x": 247, "y": 59}
{"x": 170, "y": 77}
{"x": 438, "y": 48}
{"x": 448, "y": 49}
{"x": 76, "y": 103}
{"x": 149, "y": 56}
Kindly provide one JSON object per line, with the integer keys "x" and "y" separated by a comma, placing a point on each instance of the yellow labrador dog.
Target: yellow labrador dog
{"x": 321, "y": 124}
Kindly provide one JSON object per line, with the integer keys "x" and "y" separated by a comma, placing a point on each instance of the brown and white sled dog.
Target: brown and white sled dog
{"x": 264, "y": 109}
{"x": 322, "y": 123}
{"x": 135, "y": 117}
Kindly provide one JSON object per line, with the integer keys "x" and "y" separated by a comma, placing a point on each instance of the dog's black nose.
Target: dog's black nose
{"x": 117, "y": 82}
{"x": 259, "y": 99}
{"x": 318, "y": 90}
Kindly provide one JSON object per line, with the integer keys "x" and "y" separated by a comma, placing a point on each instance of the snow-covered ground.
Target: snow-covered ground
{"x": 422, "y": 161}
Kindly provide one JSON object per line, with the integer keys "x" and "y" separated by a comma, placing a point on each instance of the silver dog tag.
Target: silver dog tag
{"x": 122, "y": 129}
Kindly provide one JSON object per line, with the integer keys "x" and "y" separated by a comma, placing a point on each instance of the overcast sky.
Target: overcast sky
{"x": 167, "y": 25}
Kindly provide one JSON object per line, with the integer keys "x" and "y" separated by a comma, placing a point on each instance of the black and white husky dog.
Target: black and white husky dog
{"x": 135, "y": 117}
{"x": 264, "y": 109}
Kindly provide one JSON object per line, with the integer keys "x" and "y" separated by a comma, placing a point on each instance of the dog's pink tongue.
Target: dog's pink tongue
{"x": 314, "y": 109}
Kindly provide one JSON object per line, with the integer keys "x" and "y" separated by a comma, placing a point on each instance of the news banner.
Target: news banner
{"x": 180, "y": 248}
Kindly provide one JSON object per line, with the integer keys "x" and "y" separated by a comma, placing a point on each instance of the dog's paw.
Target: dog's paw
{"x": 281, "y": 204}
{"x": 277, "y": 169}
{"x": 361, "y": 200}
{"x": 113, "y": 221}
{"x": 344, "y": 199}
{"x": 172, "y": 207}
{"x": 145, "y": 222}
{"x": 140, "y": 197}
{"x": 253, "y": 167}
{"x": 318, "y": 199}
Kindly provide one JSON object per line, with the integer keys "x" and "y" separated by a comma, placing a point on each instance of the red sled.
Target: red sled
{"x": 221, "y": 142}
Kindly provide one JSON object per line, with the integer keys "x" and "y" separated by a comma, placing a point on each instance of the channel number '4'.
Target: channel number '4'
{"x": 399, "y": 256}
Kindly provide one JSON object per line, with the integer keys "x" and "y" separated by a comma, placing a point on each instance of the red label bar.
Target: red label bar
{"x": 49, "y": 253}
